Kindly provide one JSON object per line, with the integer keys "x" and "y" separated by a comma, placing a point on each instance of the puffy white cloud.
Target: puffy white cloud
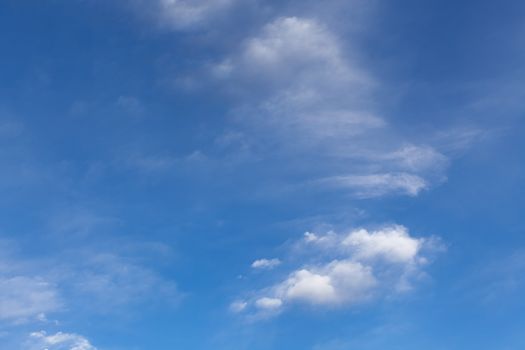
{"x": 337, "y": 282}
{"x": 309, "y": 286}
{"x": 59, "y": 341}
{"x": 393, "y": 244}
{"x": 390, "y": 243}
{"x": 266, "y": 263}
{"x": 349, "y": 268}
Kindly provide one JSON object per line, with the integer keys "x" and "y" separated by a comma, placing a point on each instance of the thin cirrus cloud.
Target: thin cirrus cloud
{"x": 31, "y": 289}
{"x": 183, "y": 15}
{"x": 377, "y": 185}
{"x": 25, "y": 293}
{"x": 303, "y": 92}
{"x": 112, "y": 280}
{"x": 346, "y": 269}
{"x": 24, "y": 298}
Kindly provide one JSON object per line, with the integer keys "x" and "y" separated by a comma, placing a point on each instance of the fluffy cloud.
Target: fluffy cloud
{"x": 59, "y": 341}
{"x": 343, "y": 281}
{"x": 349, "y": 268}
{"x": 393, "y": 244}
{"x": 266, "y": 263}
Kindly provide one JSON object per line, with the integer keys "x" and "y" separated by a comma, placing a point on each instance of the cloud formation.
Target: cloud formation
{"x": 25, "y": 294}
{"x": 303, "y": 92}
{"x": 24, "y": 298}
{"x": 266, "y": 263}
{"x": 340, "y": 281}
{"x": 376, "y": 185}
{"x": 183, "y": 14}
{"x": 32, "y": 288}
{"x": 347, "y": 269}
{"x": 297, "y": 66}
{"x": 59, "y": 341}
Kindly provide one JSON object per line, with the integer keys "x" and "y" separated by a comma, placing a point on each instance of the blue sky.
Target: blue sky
{"x": 248, "y": 174}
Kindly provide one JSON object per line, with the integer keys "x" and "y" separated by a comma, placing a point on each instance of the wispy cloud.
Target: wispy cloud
{"x": 376, "y": 185}
{"x": 183, "y": 14}
{"x": 24, "y": 298}
{"x": 25, "y": 293}
{"x": 111, "y": 279}
{"x": 303, "y": 93}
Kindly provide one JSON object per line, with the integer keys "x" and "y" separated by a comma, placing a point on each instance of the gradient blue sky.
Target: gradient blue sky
{"x": 248, "y": 174}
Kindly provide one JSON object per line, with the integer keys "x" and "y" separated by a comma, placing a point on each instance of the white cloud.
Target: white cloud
{"x": 266, "y": 263}
{"x": 416, "y": 158}
{"x": 30, "y": 289}
{"x": 23, "y": 298}
{"x": 25, "y": 295}
{"x": 309, "y": 286}
{"x": 301, "y": 45}
{"x": 59, "y": 341}
{"x": 268, "y": 303}
{"x": 238, "y": 306}
{"x": 183, "y": 14}
{"x": 393, "y": 244}
{"x": 376, "y": 185}
{"x": 300, "y": 67}
{"x": 390, "y": 243}
{"x": 304, "y": 94}
{"x": 337, "y": 282}
{"x": 349, "y": 268}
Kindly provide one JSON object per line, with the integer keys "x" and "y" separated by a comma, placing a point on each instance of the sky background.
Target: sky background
{"x": 249, "y": 174}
